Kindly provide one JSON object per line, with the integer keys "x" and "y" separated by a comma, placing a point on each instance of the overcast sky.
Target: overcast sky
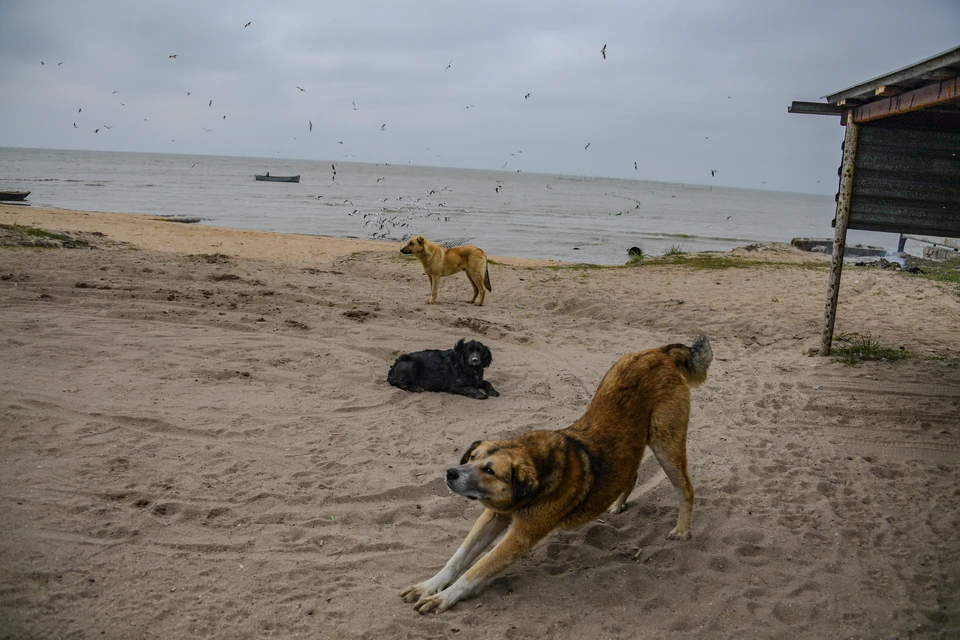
{"x": 687, "y": 86}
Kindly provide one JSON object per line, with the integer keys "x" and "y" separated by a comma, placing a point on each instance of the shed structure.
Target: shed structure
{"x": 900, "y": 170}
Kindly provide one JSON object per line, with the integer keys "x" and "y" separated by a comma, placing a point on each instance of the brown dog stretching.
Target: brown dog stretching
{"x": 439, "y": 261}
{"x": 542, "y": 480}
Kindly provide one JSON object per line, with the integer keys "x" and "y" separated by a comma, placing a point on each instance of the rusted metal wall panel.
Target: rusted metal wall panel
{"x": 907, "y": 180}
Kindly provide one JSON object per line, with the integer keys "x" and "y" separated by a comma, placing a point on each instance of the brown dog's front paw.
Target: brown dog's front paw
{"x": 412, "y": 593}
{"x": 433, "y": 604}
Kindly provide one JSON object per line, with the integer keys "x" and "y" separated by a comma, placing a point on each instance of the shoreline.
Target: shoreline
{"x": 147, "y": 231}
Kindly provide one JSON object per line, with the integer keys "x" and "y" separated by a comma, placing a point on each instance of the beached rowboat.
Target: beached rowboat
{"x": 16, "y": 195}
{"x": 270, "y": 178}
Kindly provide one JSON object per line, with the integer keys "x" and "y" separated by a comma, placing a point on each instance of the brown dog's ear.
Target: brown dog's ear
{"x": 524, "y": 481}
{"x": 466, "y": 456}
{"x": 420, "y": 240}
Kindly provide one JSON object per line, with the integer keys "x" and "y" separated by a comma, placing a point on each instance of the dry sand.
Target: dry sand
{"x": 198, "y": 440}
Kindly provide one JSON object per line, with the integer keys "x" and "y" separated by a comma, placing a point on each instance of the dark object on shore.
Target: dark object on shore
{"x": 825, "y": 246}
{"x": 888, "y": 265}
{"x": 181, "y": 219}
{"x": 14, "y": 195}
{"x": 635, "y": 251}
{"x": 270, "y": 178}
{"x": 458, "y": 370}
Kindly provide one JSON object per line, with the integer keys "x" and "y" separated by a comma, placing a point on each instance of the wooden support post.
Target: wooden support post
{"x": 840, "y": 234}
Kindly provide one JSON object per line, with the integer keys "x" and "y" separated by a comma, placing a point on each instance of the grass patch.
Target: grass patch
{"x": 17, "y": 235}
{"x": 674, "y": 250}
{"x": 855, "y": 348}
{"x": 34, "y": 232}
{"x": 709, "y": 261}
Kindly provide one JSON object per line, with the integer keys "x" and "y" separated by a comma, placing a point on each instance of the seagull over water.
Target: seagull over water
{"x": 449, "y": 64}
{"x": 604, "y": 51}
{"x": 172, "y": 56}
{"x": 586, "y": 147}
{"x": 210, "y": 104}
{"x": 383, "y": 127}
{"x": 301, "y": 88}
{"x": 526, "y": 96}
{"x": 248, "y": 24}
{"x": 310, "y": 122}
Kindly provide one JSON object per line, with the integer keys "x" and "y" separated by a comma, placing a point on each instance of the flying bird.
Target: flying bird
{"x": 205, "y": 129}
{"x": 379, "y": 179}
{"x": 114, "y": 92}
{"x": 75, "y": 126}
{"x": 248, "y": 24}
{"x": 194, "y": 164}
{"x": 107, "y": 127}
{"x": 188, "y": 93}
{"x": 41, "y": 62}
{"x": 301, "y": 88}
{"x": 96, "y": 130}
{"x": 526, "y": 96}
{"x": 224, "y": 117}
{"x": 354, "y": 105}
{"x": 172, "y": 56}
{"x": 80, "y": 110}
{"x": 713, "y": 172}
{"x": 634, "y": 166}
{"x": 586, "y": 147}
{"x": 449, "y": 64}
{"x": 210, "y": 104}
{"x": 604, "y": 51}
{"x": 310, "y": 122}
{"x": 383, "y": 127}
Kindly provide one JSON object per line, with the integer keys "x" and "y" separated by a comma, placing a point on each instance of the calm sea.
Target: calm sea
{"x": 571, "y": 218}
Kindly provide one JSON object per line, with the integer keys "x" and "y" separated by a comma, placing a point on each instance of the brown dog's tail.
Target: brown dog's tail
{"x": 692, "y": 362}
{"x": 486, "y": 278}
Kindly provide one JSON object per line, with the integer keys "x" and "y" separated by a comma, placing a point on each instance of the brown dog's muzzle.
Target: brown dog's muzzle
{"x": 406, "y": 250}
{"x": 463, "y": 480}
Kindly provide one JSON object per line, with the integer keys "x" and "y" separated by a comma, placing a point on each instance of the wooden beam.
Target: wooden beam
{"x": 920, "y": 98}
{"x": 886, "y": 90}
{"x": 849, "y": 102}
{"x": 840, "y": 235}
{"x": 941, "y": 74}
{"x": 814, "y": 108}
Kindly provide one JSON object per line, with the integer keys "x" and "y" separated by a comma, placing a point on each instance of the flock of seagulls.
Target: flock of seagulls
{"x": 386, "y": 219}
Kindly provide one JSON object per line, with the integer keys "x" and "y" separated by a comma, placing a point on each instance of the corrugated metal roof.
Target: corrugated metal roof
{"x": 942, "y": 65}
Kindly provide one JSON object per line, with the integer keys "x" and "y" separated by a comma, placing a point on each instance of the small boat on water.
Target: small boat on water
{"x": 22, "y": 195}
{"x": 270, "y": 178}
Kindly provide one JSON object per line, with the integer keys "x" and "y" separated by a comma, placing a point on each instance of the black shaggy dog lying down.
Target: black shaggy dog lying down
{"x": 458, "y": 370}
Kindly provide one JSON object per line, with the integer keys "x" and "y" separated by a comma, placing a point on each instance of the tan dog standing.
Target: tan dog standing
{"x": 542, "y": 480}
{"x": 439, "y": 261}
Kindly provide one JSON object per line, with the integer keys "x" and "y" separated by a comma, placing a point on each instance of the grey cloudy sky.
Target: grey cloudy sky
{"x": 687, "y": 86}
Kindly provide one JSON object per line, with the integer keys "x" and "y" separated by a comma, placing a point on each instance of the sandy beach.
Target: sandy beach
{"x": 198, "y": 441}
